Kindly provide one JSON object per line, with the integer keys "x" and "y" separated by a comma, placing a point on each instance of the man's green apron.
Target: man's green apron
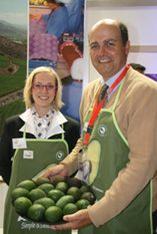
{"x": 108, "y": 153}
{"x": 28, "y": 163}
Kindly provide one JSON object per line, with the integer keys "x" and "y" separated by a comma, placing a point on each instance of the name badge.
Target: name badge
{"x": 19, "y": 143}
{"x": 28, "y": 154}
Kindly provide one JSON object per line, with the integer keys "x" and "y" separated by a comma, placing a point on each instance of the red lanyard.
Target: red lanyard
{"x": 99, "y": 105}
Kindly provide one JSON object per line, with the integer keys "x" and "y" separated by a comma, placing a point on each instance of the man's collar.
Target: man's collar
{"x": 111, "y": 80}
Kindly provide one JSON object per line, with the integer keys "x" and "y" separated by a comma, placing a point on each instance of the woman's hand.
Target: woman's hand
{"x": 74, "y": 221}
{"x": 59, "y": 169}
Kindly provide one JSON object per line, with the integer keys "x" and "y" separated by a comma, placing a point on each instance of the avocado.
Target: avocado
{"x": 27, "y": 184}
{"x": 70, "y": 208}
{"x": 35, "y": 194}
{"x": 82, "y": 204}
{"x": 62, "y": 186}
{"x": 19, "y": 192}
{"x": 46, "y": 187}
{"x": 55, "y": 194}
{"x": 84, "y": 188}
{"x": 42, "y": 180}
{"x": 53, "y": 214}
{"x": 45, "y": 201}
{"x": 73, "y": 181}
{"x": 22, "y": 205}
{"x": 36, "y": 212}
{"x": 64, "y": 200}
{"x": 75, "y": 192}
{"x": 89, "y": 196}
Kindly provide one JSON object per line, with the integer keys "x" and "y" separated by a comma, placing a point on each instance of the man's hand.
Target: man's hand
{"x": 74, "y": 221}
{"x": 59, "y": 169}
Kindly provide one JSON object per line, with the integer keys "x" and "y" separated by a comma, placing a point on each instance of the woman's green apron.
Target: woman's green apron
{"x": 108, "y": 154}
{"x": 27, "y": 163}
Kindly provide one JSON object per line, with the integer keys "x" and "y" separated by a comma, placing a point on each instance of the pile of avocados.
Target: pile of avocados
{"x": 47, "y": 202}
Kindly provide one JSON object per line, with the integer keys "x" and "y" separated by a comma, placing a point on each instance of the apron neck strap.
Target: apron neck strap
{"x": 62, "y": 133}
{"x": 117, "y": 96}
{"x": 24, "y": 132}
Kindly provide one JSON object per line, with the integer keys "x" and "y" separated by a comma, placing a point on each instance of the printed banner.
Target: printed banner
{"x": 56, "y": 40}
{"x": 13, "y": 57}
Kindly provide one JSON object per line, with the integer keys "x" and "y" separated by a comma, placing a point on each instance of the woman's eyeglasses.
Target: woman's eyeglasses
{"x": 40, "y": 87}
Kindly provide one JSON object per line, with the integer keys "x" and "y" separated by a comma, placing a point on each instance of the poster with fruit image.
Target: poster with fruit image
{"x": 13, "y": 57}
{"x": 56, "y": 30}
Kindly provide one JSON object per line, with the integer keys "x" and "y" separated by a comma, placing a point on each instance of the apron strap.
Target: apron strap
{"x": 24, "y": 132}
{"x": 62, "y": 133}
{"x": 113, "y": 114}
{"x": 117, "y": 96}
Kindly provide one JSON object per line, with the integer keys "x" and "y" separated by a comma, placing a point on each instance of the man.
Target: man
{"x": 123, "y": 138}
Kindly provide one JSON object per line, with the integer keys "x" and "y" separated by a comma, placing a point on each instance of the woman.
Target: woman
{"x": 34, "y": 139}
{"x": 42, "y": 119}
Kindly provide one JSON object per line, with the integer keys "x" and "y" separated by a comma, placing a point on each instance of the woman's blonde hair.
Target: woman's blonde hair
{"x": 27, "y": 94}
